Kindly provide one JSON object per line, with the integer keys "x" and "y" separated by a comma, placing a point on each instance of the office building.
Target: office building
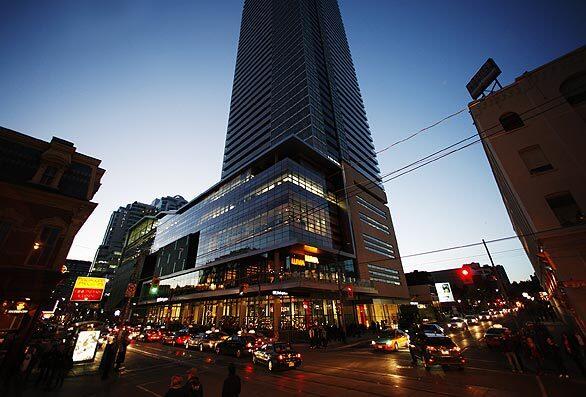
{"x": 297, "y": 230}
{"x": 537, "y": 158}
{"x": 168, "y": 203}
{"x": 109, "y": 252}
{"x": 46, "y": 190}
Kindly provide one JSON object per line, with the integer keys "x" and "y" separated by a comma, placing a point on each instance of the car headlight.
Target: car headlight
{"x": 389, "y": 343}
{"x": 373, "y": 343}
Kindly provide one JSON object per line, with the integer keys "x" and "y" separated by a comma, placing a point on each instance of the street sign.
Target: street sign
{"x": 88, "y": 289}
{"x": 130, "y": 290}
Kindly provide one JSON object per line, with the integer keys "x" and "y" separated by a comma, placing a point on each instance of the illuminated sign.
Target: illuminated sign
{"x": 280, "y": 293}
{"x": 297, "y": 262}
{"x": 444, "y": 292}
{"x": 85, "y": 346}
{"x": 88, "y": 289}
{"x": 311, "y": 259}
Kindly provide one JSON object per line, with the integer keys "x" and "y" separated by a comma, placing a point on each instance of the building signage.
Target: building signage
{"x": 311, "y": 259}
{"x": 297, "y": 262}
{"x": 88, "y": 289}
{"x": 280, "y": 293}
{"x": 485, "y": 76}
{"x": 85, "y": 346}
{"x": 444, "y": 292}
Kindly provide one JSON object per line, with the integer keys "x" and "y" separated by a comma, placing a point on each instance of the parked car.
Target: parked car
{"x": 434, "y": 349}
{"x": 471, "y": 319}
{"x": 391, "y": 340}
{"x": 236, "y": 345}
{"x": 496, "y": 336}
{"x": 457, "y": 323}
{"x": 278, "y": 355}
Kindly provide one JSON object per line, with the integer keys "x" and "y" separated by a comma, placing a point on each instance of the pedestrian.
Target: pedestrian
{"x": 43, "y": 367}
{"x": 553, "y": 354}
{"x": 570, "y": 347}
{"x": 176, "y": 387}
{"x": 312, "y": 338}
{"x": 121, "y": 353}
{"x": 65, "y": 365}
{"x": 509, "y": 350}
{"x": 108, "y": 358}
{"x": 193, "y": 386}
{"x": 232, "y": 384}
{"x": 534, "y": 354}
{"x": 324, "y": 337}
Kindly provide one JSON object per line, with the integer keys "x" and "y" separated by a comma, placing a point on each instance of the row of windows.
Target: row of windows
{"x": 383, "y": 274}
{"x": 373, "y": 223}
{"x": 378, "y": 246}
{"x": 371, "y": 207}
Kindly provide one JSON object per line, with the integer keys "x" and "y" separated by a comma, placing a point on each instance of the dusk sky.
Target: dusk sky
{"x": 145, "y": 87}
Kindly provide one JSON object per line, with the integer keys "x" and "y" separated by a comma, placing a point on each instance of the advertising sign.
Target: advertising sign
{"x": 444, "y": 292}
{"x": 88, "y": 289}
{"x": 85, "y": 346}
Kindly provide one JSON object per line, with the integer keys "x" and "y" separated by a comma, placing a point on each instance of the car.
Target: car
{"x": 471, "y": 319}
{"x": 434, "y": 349}
{"x": 391, "y": 340}
{"x": 484, "y": 316}
{"x": 279, "y": 355}
{"x": 181, "y": 337}
{"x": 194, "y": 340}
{"x": 496, "y": 336}
{"x": 168, "y": 337}
{"x": 431, "y": 328}
{"x": 236, "y": 345}
{"x": 457, "y": 323}
{"x": 150, "y": 335}
{"x": 211, "y": 339}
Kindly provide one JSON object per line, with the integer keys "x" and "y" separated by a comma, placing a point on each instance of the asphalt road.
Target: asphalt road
{"x": 347, "y": 371}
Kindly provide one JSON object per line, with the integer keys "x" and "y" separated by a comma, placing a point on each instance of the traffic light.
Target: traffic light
{"x": 155, "y": 286}
{"x": 465, "y": 274}
{"x": 350, "y": 292}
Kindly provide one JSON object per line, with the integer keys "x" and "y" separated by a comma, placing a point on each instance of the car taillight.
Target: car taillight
{"x": 249, "y": 344}
{"x": 456, "y": 348}
{"x": 431, "y": 348}
{"x": 280, "y": 357}
{"x": 298, "y": 355}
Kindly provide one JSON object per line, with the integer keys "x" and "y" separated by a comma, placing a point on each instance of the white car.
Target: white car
{"x": 471, "y": 319}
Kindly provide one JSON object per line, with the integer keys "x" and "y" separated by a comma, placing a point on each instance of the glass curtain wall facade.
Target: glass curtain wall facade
{"x": 295, "y": 77}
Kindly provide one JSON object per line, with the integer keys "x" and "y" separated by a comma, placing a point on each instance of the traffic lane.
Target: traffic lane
{"x": 392, "y": 371}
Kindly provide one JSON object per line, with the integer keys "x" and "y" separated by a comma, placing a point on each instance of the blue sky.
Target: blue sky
{"x": 145, "y": 86}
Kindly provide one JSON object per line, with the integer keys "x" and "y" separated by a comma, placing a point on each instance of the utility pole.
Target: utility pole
{"x": 498, "y": 279}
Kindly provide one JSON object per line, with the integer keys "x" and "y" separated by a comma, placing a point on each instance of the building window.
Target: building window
{"x": 44, "y": 247}
{"x": 49, "y": 175}
{"x": 373, "y": 223}
{"x": 378, "y": 246}
{"x": 511, "y": 121}
{"x": 535, "y": 160}
{"x": 574, "y": 89}
{"x": 383, "y": 274}
{"x": 565, "y": 209}
{"x": 370, "y": 207}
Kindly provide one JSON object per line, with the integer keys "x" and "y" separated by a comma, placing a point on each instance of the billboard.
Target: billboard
{"x": 85, "y": 346}
{"x": 485, "y": 76}
{"x": 444, "y": 292}
{"x": 88, "y": 289}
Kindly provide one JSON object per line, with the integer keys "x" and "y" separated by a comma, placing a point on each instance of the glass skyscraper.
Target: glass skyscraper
{"x": 297, "y": 231}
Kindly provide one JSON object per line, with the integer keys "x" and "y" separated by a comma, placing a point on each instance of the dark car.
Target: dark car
{"x": 435, "y": 349}
{"x": 236, "y": 345}
{"x": 277, "y": 356}
{"x": 150, "y": 335}
{"x": 496, "y": 336}
{"x": 168, "y": 337}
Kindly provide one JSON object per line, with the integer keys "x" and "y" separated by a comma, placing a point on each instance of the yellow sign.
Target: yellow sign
{"x": 90, "y": 282}
{"x": 311, "y": 259}
{"x": 297, "y": 262}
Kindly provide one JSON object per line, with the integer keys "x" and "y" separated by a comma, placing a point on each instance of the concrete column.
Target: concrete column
{"x": 219, "y": 309}
{"x": 276, "y": 316}
{"x": 242, "y": 312}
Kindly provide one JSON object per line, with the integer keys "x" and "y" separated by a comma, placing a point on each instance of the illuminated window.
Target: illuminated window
{"x": 511, "y": 121}
{"x": 44, "y": 247}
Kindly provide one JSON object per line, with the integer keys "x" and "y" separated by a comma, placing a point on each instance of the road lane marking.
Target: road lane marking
{"x": 149, "y": 391}
{"x": 541, "y": 387}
